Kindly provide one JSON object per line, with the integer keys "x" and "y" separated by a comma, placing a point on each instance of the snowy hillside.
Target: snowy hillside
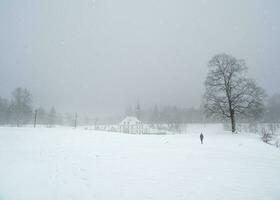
{"x": 68, "y": 164}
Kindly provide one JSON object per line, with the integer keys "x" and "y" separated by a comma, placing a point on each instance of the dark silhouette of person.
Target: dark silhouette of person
{"x": 201, "y": 138}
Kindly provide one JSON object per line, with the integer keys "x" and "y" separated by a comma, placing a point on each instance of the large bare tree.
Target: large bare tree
{"x": 229, "y": 93}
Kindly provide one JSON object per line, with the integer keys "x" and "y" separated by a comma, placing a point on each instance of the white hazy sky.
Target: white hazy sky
{"x": 99, "y": 56}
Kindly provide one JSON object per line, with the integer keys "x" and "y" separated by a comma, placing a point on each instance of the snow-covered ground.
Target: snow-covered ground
{"x": 69, "y": 164}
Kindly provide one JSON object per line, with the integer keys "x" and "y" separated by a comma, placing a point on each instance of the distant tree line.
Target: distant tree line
{"x": 178, "y": 115}
{"x": 19, "y": 111}
{"x": 173, "y": 115}
{"x": 167, "y": 115}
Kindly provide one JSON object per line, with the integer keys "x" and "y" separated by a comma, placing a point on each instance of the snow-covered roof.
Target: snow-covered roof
{"x": 130, "y": 121}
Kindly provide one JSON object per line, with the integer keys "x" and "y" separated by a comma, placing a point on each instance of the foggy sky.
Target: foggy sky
{"x": 99, "y": 56}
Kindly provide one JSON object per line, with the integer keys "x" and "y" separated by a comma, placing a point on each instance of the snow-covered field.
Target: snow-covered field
{"x": 68, "y": 164}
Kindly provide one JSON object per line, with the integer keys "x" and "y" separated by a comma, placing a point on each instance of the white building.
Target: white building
{"x": 131, "y": 125}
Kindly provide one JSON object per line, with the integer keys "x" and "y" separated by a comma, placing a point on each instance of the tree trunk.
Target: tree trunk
{"x": 233, "y": 123}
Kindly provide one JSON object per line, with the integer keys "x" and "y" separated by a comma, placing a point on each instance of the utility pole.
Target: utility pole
{"x": 95, "y": 123}
{"x": 35, "y": 118}
{"x": 76, "y": 120}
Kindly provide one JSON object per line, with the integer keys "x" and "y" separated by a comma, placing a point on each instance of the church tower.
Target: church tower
{"x": 138, "y": 111}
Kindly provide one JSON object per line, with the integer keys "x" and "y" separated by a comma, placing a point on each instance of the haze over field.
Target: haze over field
{"x": 99, "y": 56}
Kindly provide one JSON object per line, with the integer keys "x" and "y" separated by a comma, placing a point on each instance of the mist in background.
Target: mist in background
{"x": 100, "y": 56}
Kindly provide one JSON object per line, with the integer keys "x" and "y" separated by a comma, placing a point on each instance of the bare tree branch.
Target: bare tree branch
{"x": 230, "y": 92}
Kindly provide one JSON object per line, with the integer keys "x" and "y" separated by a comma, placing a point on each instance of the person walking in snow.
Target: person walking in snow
{"x": 201, "y": 138}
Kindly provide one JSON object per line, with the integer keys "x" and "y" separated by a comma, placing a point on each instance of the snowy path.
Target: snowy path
{"x": 63, "y": 163}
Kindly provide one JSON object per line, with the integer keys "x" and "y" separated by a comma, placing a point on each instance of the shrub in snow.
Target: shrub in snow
{"x": 267, "y": 137}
